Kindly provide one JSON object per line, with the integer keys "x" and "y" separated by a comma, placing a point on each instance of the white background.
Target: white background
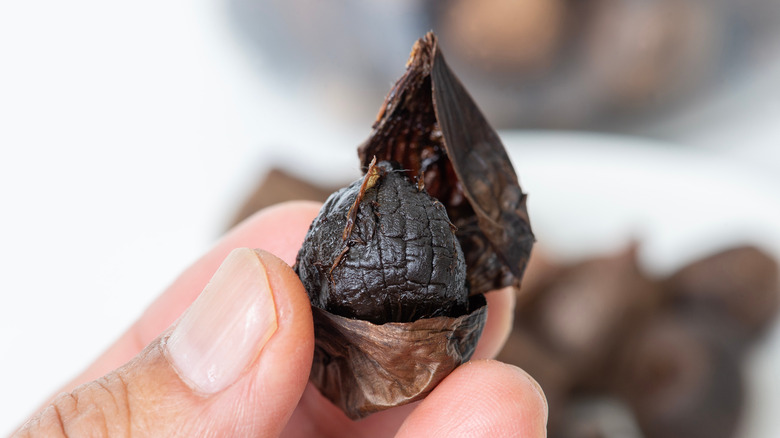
{"x": 131, "y": 131}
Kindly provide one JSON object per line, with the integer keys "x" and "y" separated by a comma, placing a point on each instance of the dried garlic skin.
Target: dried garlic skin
{"x": 365, "y": 368}
{"x": 400, "y": 262}
{"x": 431, "y": 126}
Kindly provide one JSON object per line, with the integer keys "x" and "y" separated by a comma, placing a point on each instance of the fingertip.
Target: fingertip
{"x": 282, "y": 369}
{"x": 279, "y": 230}
{"x": 501, "y": 309}
{"x": 482, "y": 398}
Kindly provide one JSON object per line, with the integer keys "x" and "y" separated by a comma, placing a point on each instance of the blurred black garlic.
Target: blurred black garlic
{"x": 396, "y": 264}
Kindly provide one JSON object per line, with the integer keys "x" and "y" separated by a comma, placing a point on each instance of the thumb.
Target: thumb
{"x": 235, "y": 364}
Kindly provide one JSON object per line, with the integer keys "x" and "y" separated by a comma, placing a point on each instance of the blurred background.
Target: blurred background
{"x": 645, "y": 132}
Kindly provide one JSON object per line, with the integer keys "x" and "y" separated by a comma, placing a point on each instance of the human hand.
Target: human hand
{"x": 236, "y": 363}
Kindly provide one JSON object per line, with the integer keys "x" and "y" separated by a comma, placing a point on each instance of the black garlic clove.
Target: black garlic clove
{"x": 381, "y": 250}
{"x": 396, "y": 264}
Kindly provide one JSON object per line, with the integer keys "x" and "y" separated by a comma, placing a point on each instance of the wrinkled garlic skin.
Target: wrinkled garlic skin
{"x": 392, "y": 256}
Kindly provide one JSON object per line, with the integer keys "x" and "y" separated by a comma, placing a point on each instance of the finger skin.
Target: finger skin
{"x": 501, "y": 311}
{"x": 146, "y": 397}
{"x": 481, "y": 399}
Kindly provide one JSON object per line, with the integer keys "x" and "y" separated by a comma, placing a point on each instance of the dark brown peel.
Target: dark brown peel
{"x": 390, "y": 364}
{"x": 372, "y": 174}
{"x": 432, "y": 127}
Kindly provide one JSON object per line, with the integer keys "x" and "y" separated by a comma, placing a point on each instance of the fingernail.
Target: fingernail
{"x": 225, "y": 329}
